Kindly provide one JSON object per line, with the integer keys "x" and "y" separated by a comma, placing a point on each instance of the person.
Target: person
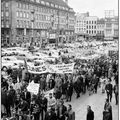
{"x": 116, "y": 92}
{"x": 51, "y": 101}
{"x": 61, "y": 110}
{"x": 90, "y": 113}
{"x": 35, "y": 109}
{"x": 23, "y": 108}
{"x": 107, "y": 113}
{"x": 109, "y": 89}
{"x": 70, "y": 114}
{"x": 43, "y": 103}
{"x": 26, "y": 96}
{"x": 69, "y": 91}
{"x": 50, "y": 115}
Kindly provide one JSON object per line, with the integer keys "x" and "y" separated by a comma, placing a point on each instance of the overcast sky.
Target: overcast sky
{"x": 94, "y": 7}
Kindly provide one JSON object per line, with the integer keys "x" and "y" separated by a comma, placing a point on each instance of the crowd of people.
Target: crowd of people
{"x": 18, "y": 102}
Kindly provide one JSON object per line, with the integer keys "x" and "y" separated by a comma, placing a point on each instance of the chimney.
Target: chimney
{"x": 66, "y": 1}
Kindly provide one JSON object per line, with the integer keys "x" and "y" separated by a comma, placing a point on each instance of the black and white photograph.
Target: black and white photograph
{"x": 59, "y": 59}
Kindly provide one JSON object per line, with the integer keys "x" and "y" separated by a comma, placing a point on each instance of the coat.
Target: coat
{"x": 51, "y": 116}
{"x": 27, "y": 97}
{"x": 70, "y": 115}
{"x": 63, "y": 112}
{"x": 109, "y": 88}
{"x": 90, "y": 115}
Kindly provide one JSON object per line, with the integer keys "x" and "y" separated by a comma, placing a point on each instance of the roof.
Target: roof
{"x": 58, "y": 2}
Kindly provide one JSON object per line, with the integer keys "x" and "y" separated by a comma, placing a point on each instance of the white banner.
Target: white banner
{"x": 63, "y": 68}
{"x": 37, "y": 69}
{"x": 33, "y": 88}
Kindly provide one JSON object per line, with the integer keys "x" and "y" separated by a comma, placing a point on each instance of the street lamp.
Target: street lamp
{"x": 32, "y": 20}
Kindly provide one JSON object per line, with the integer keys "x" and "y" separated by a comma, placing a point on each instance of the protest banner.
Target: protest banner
{"x": 62, "y": 68}
{"x": 33, "y": 88}
{"x": 37, "y": 69}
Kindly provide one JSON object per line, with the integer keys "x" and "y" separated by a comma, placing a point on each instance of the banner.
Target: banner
{"x": 63, "y": 68}
{"x": 33, "y": 88}
{"x": 37, "y": 69}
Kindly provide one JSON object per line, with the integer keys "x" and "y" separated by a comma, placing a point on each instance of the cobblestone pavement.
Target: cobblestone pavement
{"x": 96, "y": 101}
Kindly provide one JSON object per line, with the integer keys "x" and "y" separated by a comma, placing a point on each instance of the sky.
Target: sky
{"x": 94, "y": 7}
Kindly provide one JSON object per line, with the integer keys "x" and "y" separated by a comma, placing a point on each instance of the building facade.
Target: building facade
{"x": 91, "y": 25}
{"x": 111, "y": 30}
{"x": 33, "y": 20}
{"x": 100, "y": 28}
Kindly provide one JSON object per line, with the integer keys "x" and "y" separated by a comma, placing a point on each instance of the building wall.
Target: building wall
{"x": 80, "y": 25}
{"x": 91, "y": 25}
{"x": 27, "y": 16}
{"x": 111, "y": 28}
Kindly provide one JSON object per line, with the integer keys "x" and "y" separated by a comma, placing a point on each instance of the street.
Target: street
{"x": 96, "y": 101}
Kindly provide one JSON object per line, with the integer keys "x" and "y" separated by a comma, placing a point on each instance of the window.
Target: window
{"x": 95, "y": 27}
{"x": 27, "y": 6}
{"x": 95, "y": 32}
{"x": 24, "y": 15}
{"x": 7, "y": 23}
{"x": 89, "y": 32}
{"x": 20, "y": 5}
{"x": 2, "y": 23}
{"x": 2, "y": 13}
{"x": 95, "y": 22}
{"x": 21, "y": 14}
{"x": 6, "y": 4}
{"x": 17, "y": 23}
{"x": 27, "y": 15}
{"x": 89, "y": 22}
{"x": 89, "y": 27}
{"x": 6, "y": 13}
{"x": 17, "y": 13}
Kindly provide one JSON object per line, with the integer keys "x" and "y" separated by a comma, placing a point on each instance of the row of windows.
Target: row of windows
{"x": 91, "y": 27}
{"x": 5, "y": 23}
{"x": 91, "y": 32}
{"x": 91, "y": 22}
{"x": 6, "y": 13}
{"x": 26, "y": 6}
{"x": 28, "y": 24}
{"x": 5, "y": 4}
{"x": 43, "y": 9}
{"x": 100, "y": 32}
{"x": 27, "y": 15}
{"x": 81, "y": 29}
{"x": 78, "y": 21}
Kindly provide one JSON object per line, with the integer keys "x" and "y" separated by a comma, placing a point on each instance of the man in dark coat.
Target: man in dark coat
{"x": 26, "y": 96}
{"x": 62, "y": 109}
{"x": 43, "y": 104}
{"x": 50, "y": 115}
{"x": 69, "y": 91}
{"x": 109, "y": 89}
{"x": 116, "y": 89}
{"x": 90, "y": 114}
{"x": 70, "y": 114}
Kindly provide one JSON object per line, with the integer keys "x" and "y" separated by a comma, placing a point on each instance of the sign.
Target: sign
{"x": 52, "y": 36}
{"x": 37, "y": 69}
{"x": 33, "y": 88}
{"x": 63, "y": 68}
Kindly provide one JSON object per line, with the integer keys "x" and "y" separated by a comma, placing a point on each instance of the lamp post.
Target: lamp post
{"x": 32, "y": 20}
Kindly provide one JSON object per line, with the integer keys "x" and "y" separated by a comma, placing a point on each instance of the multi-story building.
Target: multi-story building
{"x": 100, "y": 28}
{"x": 111, "y": 30}
{"x": 33, "y": 20}
{"x": 91, "y": 25}
{"x": 80, "y": 24}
